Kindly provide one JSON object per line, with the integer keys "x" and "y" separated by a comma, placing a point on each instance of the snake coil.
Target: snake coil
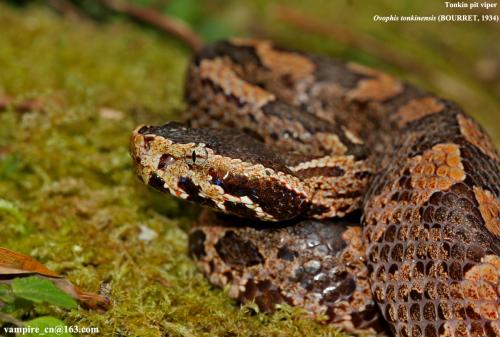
{"x": 286, "y": 143}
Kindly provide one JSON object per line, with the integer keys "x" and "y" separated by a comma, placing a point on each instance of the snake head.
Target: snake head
{"x": 225, "y": 170}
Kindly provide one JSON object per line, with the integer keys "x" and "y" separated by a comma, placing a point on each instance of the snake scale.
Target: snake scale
{"x": 372, "y": 204}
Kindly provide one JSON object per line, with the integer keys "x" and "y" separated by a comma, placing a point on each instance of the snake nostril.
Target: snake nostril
{"x": 145, "y": 129}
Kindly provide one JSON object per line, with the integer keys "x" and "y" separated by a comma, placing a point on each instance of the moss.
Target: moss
{"x": 66, "y": 176}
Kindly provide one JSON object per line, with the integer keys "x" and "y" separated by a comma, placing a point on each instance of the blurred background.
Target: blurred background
{"x": 78, "y": 75}
{"x": 459, "y": 60}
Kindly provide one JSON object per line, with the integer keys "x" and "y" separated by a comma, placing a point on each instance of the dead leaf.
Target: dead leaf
{"x": 13, "y": 265}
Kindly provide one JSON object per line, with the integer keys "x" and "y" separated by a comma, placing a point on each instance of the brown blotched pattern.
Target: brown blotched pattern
{"x": 489, "y": 206}
{"x": 332, "y": 137}
{"x": 315, "y": 265}
{"x": 432, "y": 226}
{"x": 418, "y": 108}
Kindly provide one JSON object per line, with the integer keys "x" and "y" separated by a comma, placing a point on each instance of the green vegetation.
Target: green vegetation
{"x": 22, "y": 295}
{"x": 39, "y": 290}
{"x": 68, "y": 195}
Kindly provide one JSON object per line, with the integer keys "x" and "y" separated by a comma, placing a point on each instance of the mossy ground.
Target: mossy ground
{"x": 65, "y": 169}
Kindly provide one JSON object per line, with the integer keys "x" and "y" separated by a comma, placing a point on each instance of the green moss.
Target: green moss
{"x": 66, "y": 177}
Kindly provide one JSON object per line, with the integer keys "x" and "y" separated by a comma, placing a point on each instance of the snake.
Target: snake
{"x": 372, "y": 204}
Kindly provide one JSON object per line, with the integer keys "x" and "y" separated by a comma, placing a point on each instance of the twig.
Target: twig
{"x": 67, "y": 9}
{"x": 346, "y": 37}
{"x": 170, "y": 25}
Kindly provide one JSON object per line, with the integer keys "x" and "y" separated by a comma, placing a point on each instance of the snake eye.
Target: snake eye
{"x": 198, "y": 157}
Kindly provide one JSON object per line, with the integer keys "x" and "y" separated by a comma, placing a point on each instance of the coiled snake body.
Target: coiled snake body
{"x": 286, "y": 143}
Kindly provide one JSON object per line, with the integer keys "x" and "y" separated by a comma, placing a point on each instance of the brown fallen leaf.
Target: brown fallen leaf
{"x": 13, "y": 265}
